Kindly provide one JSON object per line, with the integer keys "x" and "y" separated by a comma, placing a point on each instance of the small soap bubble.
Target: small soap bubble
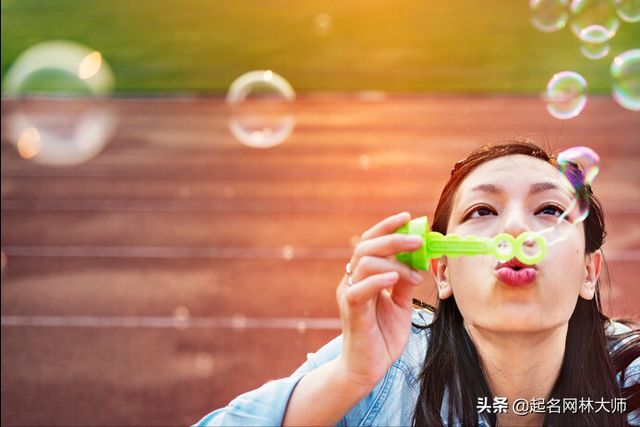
{"x": 595, "y": 50}
{"x": 239, "y": 321}
{"x": 549, "y": 15}
{"x": 578, "y": 167}
{"x": 204, "y": 364}
{"x": 365, "y": 162}
{"x": 287, "y": 253}
{"x": 29, "y": 143}
{"x": 181, "y": 316}
{"x": 261, "y": 109}
{"x": 585, "y": 160}
{"x": 628, "y": 10}
{"x": 566, "y": 95}
{"x": 70, "y": 121}
{"x": 593, "y": 21}
{"x": 322, "y": 24}
{"x": 302, "y": 327}
{"x": 625, "y": 73}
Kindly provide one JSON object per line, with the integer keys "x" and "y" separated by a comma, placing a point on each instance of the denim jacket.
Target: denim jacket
{"x": 391, "y": 403}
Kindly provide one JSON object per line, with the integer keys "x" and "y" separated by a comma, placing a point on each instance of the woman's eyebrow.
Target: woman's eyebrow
{"x": 535, "y": 188}
{"x": 540, "y": 187}
{"x": 486, "y": 188}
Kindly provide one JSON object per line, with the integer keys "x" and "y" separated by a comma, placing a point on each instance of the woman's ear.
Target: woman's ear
{"x": 593, "y": 262}
{"x": 439, "y": 269}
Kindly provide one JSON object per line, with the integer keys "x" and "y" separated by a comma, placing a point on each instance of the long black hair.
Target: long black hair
{"x": 452, "y": 373}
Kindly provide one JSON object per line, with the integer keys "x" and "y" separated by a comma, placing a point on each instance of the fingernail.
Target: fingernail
{"x": 403, "y": 215}
{"x": 417, "y": 278}
{"x": 390, "y": 277}
{"x": 413, "y": 239}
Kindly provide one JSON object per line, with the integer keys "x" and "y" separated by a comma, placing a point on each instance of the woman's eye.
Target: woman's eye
{"x": 551, "y": 210}
{"x": 480, "y": 211}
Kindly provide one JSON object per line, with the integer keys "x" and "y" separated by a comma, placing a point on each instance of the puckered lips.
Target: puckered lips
{"x": 516, "y": 273}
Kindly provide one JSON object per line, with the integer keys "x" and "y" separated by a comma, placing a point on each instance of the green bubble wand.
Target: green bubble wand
{"x": 503, "y": 246}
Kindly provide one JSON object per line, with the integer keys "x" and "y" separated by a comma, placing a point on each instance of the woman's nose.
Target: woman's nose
{"x": 515, "y": 222}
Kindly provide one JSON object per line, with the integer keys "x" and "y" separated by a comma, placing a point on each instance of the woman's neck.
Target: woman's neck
{"x": 520, "y": 366}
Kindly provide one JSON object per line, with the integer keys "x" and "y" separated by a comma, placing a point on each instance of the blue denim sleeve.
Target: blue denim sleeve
{"x": 632, "y": 374}
{"x": 266, "y": 405}
{"x": 633, "y": 377}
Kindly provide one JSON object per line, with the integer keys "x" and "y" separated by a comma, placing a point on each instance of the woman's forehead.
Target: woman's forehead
{"x": 509, "y": 172}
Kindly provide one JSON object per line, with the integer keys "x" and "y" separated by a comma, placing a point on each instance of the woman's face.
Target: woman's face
{"x": 514, "y": 194}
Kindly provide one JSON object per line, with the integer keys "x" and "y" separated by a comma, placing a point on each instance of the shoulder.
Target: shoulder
{"x": 614, "y": 328}
{"x": 624, "y": 344}
{"x": 623, "y": 339}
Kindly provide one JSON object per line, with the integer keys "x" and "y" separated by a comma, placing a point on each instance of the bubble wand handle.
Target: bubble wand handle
{"x": 503, "y": 246}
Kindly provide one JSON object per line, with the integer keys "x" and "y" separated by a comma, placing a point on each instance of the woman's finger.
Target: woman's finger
{"x": 386, "y": 226}
{"x": 366, "y": 289}
{"x": 372, "y": 265}
{"x": 386, "y": 245}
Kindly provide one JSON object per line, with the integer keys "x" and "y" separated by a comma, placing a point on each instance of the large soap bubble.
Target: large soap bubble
{"x": 625, "y": 73}
{"x": 566, "y": 95}
{"x": 59, "y": 114}
{"x": 262, "y": 114}
{"x": 593, "y": 21}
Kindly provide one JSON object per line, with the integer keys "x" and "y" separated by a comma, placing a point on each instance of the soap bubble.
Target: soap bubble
{"x": 262, "y": 113}
{"x": 595, "y": 50}
{"x": 287, "y": 253}
{"x": 628, "y": 10}
{"x": 322, "y": 24}
{"x": 181, "y": 317}
{"x": 566, "y": 95}
{"x": 625, "y": 72}
{"x": 239, "y": 322}
{"x": 204, "y": 364}
{"x": 302, "y": 327}
{"x": 365, "y": 162}
{"x": 58, "y": 112}
{"x": 593, "y": 21}
{"x": 549, "y": 15}
{"x": 578, "y": 167}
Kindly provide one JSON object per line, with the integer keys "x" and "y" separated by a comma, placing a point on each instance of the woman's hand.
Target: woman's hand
{"x": 376, "y": 310}
{"x": 376, "y": 323}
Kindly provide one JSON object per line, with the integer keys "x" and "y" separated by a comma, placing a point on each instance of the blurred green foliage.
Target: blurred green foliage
{"x": 201, "y": 46}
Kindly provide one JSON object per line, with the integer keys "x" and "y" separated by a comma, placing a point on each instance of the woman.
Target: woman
{"x": 507, "y": 344}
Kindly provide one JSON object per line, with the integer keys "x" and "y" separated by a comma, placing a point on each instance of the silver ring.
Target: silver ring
{"x": 350, "y": 281}
{"x": 349, "y": 272}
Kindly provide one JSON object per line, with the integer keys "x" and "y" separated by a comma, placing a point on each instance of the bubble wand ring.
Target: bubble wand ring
{"x": 503, "y": 246}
